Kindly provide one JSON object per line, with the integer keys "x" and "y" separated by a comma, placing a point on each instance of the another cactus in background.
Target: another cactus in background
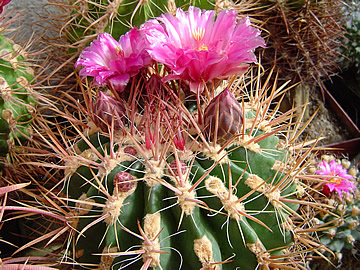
{"x": 17, "y": 102}
{"x": 303, "y": 41}
{"x": 338, "y": 228}
{"x": 164, "y": 169}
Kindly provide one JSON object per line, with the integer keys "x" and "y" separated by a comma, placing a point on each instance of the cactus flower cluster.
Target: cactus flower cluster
{"x": 194, "y": 46}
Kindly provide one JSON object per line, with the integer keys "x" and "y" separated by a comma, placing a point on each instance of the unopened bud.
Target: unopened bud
{"x": 123, "y": 181}
{"x": 223, "y": 117}
{"x": 331, "y": 233}
{"x": 130, "y": 150}
{"x": 176, "y": 166}
{"x": 108, "y": 110}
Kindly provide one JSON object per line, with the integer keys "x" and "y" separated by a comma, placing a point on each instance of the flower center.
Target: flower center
{"x": 198, "y": 35}
{"x": 119, "y": 52}
{"x": 334, "y": 180}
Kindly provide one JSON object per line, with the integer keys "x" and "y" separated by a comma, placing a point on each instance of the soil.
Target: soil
{"x": 326, "y": 123}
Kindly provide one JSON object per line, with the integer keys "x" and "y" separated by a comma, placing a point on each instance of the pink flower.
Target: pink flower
{"x": 337, "y": 176}
{"x": 3, "y": 3}
{"x": 197, "y": 48}
{"x": 113, "y": 62}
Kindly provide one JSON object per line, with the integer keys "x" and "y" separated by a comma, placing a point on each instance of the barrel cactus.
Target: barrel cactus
{"x": 167, "y": 165}
{"x": 17, "y": 103}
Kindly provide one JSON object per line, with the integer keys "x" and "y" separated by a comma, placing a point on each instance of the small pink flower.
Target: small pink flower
{"x": 337, "y": 177}
{"x": 3, "y": 3}
{"x": 197, "y": 48}
{"x": 113, "y": 62}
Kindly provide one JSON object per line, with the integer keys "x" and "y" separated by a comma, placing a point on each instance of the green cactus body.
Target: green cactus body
{"x": 16, "y": 102}
{"x": 207, "y": 209}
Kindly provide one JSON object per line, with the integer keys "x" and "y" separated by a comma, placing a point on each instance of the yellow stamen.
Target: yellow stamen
{"x": 198, "y": 35}
{"x": 334, "y": 180}
{"x": 119, "y": 51}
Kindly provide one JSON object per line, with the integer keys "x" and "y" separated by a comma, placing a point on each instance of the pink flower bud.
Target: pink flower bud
{"x": 130, "y": 150}
{"x": 175, "y": 170}
{"x": 107, "y": 110}
{"x": 223, "y": 117}
{"x": 123, "y": 181}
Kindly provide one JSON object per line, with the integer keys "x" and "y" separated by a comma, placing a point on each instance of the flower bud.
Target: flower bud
{"x": 107, "y": 110}
{"x": 123, "y": 182}
{"x": 223, "y": 117}
{"x": 174, "y": 169}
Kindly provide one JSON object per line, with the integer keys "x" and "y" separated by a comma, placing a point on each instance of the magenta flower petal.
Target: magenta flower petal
{"x": 114, "y": 62}
{"x": 337, "y": 177}
{"x": 197, "y": 48}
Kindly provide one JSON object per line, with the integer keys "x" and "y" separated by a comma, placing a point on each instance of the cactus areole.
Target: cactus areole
{"x": 175, "y": 187}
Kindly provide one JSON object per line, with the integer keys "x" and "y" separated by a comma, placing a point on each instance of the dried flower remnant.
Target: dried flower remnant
{"x": 337, "y": 177}
{"x": 114, "y": 62}
{"x": 197, "y": 48}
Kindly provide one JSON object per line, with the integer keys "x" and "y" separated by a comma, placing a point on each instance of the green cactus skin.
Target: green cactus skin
{"x": 207, "y": 210}
{"x": 16, "y": 102}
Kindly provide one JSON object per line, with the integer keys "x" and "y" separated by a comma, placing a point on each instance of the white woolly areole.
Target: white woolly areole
{"x": 244, "y": 141}
{"x": 203, "y": 250}
{"x": 214, "y": 154}
{"x": 72, "y": 164}
{"x": 107, "y": 260}
{"x": 152, "y": 227}
{"x": 285, "y": 168}
{"x": 114, "y": 203}
{"x": 261, "y": 256}
{"x": 260, "y": 124}
{"x": 5, "y": 90}
{"x": 257, "y": 183}
{"x": 216, "y": 186}
{"x": 108, "y": 165}
{"x": 185, "y": 199}
{"x": 156, "y": 172}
